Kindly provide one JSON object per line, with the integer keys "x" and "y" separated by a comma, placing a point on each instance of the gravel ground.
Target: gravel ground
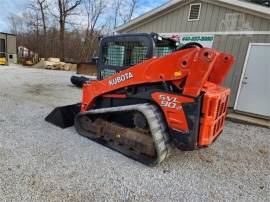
{"x": 40, "y": 162}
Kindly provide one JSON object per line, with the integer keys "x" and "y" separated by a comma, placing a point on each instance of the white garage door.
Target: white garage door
{"x": 254, "y": 90}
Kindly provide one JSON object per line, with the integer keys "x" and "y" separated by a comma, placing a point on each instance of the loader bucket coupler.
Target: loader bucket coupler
{"x": 63, "y": 116}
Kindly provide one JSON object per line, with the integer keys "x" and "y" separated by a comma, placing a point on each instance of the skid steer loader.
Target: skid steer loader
{"x": 150, "y": 94}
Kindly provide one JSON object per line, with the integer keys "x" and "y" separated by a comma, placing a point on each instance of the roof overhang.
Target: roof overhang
{"x": 7, "y": 34}
{"x": 245, "y": 7}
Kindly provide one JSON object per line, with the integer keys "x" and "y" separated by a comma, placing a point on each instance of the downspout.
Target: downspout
{"x": 6, "y": 49}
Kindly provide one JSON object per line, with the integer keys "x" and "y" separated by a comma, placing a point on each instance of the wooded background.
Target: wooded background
{"x": 70, "y": 29}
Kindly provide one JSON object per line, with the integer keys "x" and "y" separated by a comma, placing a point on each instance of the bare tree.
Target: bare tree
{"x": 38, "y": 8}
{"x": 94, "y": 9}
{"x": 33, "y": 22}
{"x": 123, "y": 11}
{"x": 43, "y": 6}
{"x": 130, "y": 7}
{"x": 116, "y": 13}
{"x": 65, "y": 9}
{"x": 16, "y": 23}
{"x": 13, "y": 23}
{"x": 56, "y": 35}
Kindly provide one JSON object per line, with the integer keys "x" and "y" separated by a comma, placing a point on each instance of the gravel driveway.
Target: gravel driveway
{"x": 40, "y": 162}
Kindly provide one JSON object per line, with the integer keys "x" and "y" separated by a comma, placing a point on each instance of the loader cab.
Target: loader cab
{"x": 120, "y": 52}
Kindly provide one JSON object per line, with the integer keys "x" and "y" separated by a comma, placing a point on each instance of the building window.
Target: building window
{"x": 10, "y": 56}
{"x": 194, "y": 12}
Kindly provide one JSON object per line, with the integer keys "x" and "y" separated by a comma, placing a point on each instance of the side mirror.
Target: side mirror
{"x": 94, "y": 60}
{"x": 100, "y": 37}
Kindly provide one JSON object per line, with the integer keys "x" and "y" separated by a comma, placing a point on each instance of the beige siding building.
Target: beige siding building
{"x": 8, "y": 47}
{"x": 235, "y": 27}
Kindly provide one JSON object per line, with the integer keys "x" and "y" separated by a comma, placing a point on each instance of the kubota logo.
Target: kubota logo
{"x": 120, "y": 79}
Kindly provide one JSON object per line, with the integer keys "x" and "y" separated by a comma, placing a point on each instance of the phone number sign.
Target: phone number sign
{"x": 204, "y": 40}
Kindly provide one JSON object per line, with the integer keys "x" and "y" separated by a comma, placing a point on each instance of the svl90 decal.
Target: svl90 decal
{"x": 170, "y": 102}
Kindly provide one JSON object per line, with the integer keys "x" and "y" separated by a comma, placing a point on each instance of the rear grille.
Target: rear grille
{"x": 215, "y": 103}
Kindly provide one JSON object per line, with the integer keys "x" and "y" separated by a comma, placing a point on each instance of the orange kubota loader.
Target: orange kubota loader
{"x": 150, "y": 93}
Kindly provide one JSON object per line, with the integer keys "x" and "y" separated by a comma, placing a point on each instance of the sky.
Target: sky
{"x": 17, "y": 7}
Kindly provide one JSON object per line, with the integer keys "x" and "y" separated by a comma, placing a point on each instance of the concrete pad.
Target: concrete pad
{"x": 242, "y": 118}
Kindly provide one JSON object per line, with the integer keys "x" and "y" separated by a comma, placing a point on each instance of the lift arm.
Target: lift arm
{"x": 194, "y": 66}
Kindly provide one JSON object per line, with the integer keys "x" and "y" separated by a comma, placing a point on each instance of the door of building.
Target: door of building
{"x": 254, "y": 90}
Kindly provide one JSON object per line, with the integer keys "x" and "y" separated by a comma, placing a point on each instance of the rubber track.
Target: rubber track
{"x": 156, "y": 125}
